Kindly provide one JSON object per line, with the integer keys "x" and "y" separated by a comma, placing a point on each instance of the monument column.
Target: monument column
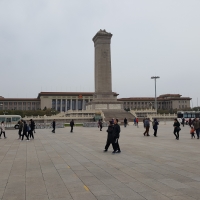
{"x": 103, "y": 97}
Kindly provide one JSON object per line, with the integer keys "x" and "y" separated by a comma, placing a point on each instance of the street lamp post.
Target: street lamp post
{"x": 155, "y": 77}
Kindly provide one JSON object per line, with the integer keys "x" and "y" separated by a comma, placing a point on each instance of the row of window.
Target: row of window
{"x": 68, "y": 104}
{"x": 19, "y": 103}
{"x": 182, "y": 101}
{"x": 182, "y": 106}
{"x": 146, "y": 103}
{"x": 19, "y": 108}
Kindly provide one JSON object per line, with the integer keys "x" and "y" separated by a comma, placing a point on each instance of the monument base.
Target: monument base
{"x": 102, "y": 105}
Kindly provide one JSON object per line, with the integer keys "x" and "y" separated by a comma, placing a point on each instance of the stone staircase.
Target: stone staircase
{"x": 119, "y": 114}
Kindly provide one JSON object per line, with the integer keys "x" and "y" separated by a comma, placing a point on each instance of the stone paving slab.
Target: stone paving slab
{"x": 73, "y": 166}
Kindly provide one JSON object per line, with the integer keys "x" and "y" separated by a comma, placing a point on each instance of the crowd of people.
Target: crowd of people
{"x": 26, "y": 129}
{"x": 114, "y": 130}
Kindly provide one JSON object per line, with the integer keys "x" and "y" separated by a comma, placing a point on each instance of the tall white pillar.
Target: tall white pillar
{"x": 71, "y": 104}
{"x": 66, "y": 105}
{"x": 61, "y": 105}
{"x": 76, "y": 104}
{"x": 56, "y": 104}
{"x": 83, "y": 104}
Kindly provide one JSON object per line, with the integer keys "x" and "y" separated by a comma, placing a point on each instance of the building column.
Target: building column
{"x": 61, "y": 105}
{"x": 71, "y": 104}
{"x": 76, "y": 104}
{"x": 56, "y": 104}
{"x": 66, "y": 105}
{"x": 83, "y": 104}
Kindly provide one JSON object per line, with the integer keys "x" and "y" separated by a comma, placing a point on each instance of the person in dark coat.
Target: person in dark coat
{"x": 54, "y": 126}
{"x": 109, "y": 136}
{"x": 146, "y": 126}
{"x": 72, "y": 125}
{"x": 21, "y": 124}
{"x": 100, "y": 124}
{"x": 183, "y": 121}
{"x": 190, "y": 122}
{"x": 125, "y": 122}
{"x": 176, "y": 128}
{"x": 155, "y": 127}
{"x": 31, "y": 125}
{"x": 25, "y": 130}
{"x": 116, "y": 134}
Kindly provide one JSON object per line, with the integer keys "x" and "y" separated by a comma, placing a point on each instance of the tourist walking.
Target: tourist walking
{"x": 146, "y": 126}
{"x": 176, "y": 128}
{"x": 54, "y": 126}
{"x": 134, "y": 121}
{"x": 192, "y": 130}
{"x": 196, "y": 125}
{"x": 72, "y": 125}
{"x": 144, "y": 122}
{"x": 21, "y": 124}
{"x": 183, "y": 121}
{"x": 3, "y": 130}
{"x": 116, "y": 134}
{"x": 155, "y": 127}
{"x": 125, "y": 122}
{"x": 137, "y": 121}
{"x": 30, "y": 129}
{"x": 100, "y": 124}
{"x": 190, "y": 122}
{"x": 25, "y": 130}
{"x": 109, "y": 136}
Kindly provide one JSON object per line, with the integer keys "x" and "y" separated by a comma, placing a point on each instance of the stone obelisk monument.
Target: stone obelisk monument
{"x": 103, "y": 98}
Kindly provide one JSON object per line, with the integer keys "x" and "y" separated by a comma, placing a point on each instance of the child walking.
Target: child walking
{"x": 192, "y": 132}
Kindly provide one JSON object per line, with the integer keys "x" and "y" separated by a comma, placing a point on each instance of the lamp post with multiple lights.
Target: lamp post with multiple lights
{"x": 155, "y": 77}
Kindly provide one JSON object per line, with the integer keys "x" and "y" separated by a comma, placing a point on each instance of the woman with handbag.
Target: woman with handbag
{"x": 176, "y": 128}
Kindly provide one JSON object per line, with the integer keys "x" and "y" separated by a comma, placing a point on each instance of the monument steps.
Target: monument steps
{"x": 120, "y": 114}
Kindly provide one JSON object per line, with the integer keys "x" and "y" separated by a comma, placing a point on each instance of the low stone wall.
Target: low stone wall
{"x": 93, "y": 124}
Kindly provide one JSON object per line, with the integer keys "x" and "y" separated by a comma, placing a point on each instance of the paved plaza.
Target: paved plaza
{"x": 66, "y": 166}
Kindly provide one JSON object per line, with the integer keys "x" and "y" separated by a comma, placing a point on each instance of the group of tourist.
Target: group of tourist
{"x": 113, "y": 136}
{"x": 146, "y": 123}
{"x": 26, "y": 129}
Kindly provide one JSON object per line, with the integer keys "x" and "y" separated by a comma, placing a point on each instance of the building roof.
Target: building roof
{"x": 19, "y": 99}
{"x": 163, "y": 97}
{"x": 65, "y": 94}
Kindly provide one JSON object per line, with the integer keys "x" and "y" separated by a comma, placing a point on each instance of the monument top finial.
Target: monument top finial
{"x": 102, "y": 33}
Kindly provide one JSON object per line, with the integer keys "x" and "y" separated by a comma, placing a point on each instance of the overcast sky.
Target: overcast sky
{"x": 46, "y": 45}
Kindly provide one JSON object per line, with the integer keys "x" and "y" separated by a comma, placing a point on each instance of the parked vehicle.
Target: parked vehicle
{"x": 11, "y": 120}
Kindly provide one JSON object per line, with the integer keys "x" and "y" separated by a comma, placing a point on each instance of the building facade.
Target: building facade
{"x": 64, "y": 101}
{"x": 165, "y": 102}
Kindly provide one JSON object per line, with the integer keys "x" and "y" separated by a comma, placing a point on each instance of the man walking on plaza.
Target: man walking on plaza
{"x": 196, "y": 125}
{"x": 116, "y": 134}
{"x": 109, "y": 136}
{"x": 72, "y": 125}
{"x": 21, "y": 124}
{"x": 125, "y": 122}
{"x": 54, "y": 126}
{"x": 25, "y": 130}
{"x": 146, "y": 126}
{"x": 183, "y": 122}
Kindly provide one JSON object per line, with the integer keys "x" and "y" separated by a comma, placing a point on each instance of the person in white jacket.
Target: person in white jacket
{"x": 3, "y": 130}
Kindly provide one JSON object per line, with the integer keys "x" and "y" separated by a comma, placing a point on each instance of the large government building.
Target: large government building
{"x": 63, "y": 101}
